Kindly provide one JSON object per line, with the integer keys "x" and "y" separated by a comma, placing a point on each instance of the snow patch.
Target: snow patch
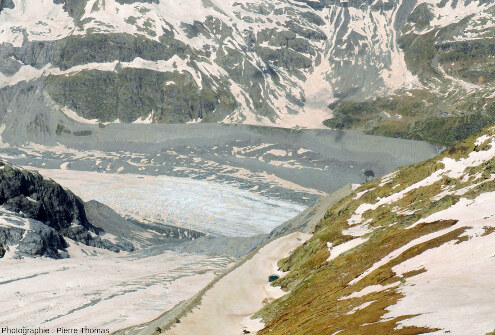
{"x": 344, "y": 247}
{"x": 456, "y": 292}
{"x": 73, "y": 116}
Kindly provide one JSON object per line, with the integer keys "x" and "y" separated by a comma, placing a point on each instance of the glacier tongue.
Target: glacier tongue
{"x": 199, "y": 205}
{"x": 111, "y": 291}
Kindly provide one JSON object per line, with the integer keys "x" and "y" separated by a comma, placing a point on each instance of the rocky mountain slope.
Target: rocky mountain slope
{"x": 38, "y": 217}
{"x": 409, "y": 253}
{"x": 272, "y": 63}
{"x": 448, "y": 46}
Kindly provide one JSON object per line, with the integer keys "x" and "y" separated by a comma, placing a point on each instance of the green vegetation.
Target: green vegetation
{"x": 319, "y": 302}
{"x": 83, "y": 133}
{"x": 130, "y": 94}
{"x": 61, "y": 129}
{"x": 420, "y": 115}
{"x": 421, "y": 16}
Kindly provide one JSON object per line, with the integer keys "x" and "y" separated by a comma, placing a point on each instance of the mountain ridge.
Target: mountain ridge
{"x": 280, "y": 63}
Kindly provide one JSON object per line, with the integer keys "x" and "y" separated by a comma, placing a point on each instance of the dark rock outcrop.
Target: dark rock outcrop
{"x": 38, "y": 213}
{"x": 6, "y": 4}
{"x": 42, "y": 240}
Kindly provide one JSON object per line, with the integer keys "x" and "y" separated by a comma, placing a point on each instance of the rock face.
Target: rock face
{"x": 258, "y": 62}
{"x": 36, "y": 215}
{"x": 6, "y": 4}
{"x": 448, "y": 48}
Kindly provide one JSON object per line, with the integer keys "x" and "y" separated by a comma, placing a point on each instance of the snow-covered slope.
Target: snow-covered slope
{"x": 258, "y": 62}
{"x": 409, "y": 253}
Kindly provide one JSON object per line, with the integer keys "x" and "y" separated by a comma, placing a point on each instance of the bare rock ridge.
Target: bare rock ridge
{"x": 6, "y": 4}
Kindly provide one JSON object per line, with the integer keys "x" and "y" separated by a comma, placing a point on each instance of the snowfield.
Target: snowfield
{"x": 457, "y": 291}
{"x": 226, "y": 308}
{"x": 104, "y": 291}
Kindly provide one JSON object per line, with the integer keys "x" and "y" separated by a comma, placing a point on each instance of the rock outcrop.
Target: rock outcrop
{"x": 37, "y": 216}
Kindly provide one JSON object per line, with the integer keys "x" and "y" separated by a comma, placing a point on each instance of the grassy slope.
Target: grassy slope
{"x": 421, "y": 114}
{"x": 315, "y": 304}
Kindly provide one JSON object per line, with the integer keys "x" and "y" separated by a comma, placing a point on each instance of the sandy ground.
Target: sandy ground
{"x": 226, "y": 308}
